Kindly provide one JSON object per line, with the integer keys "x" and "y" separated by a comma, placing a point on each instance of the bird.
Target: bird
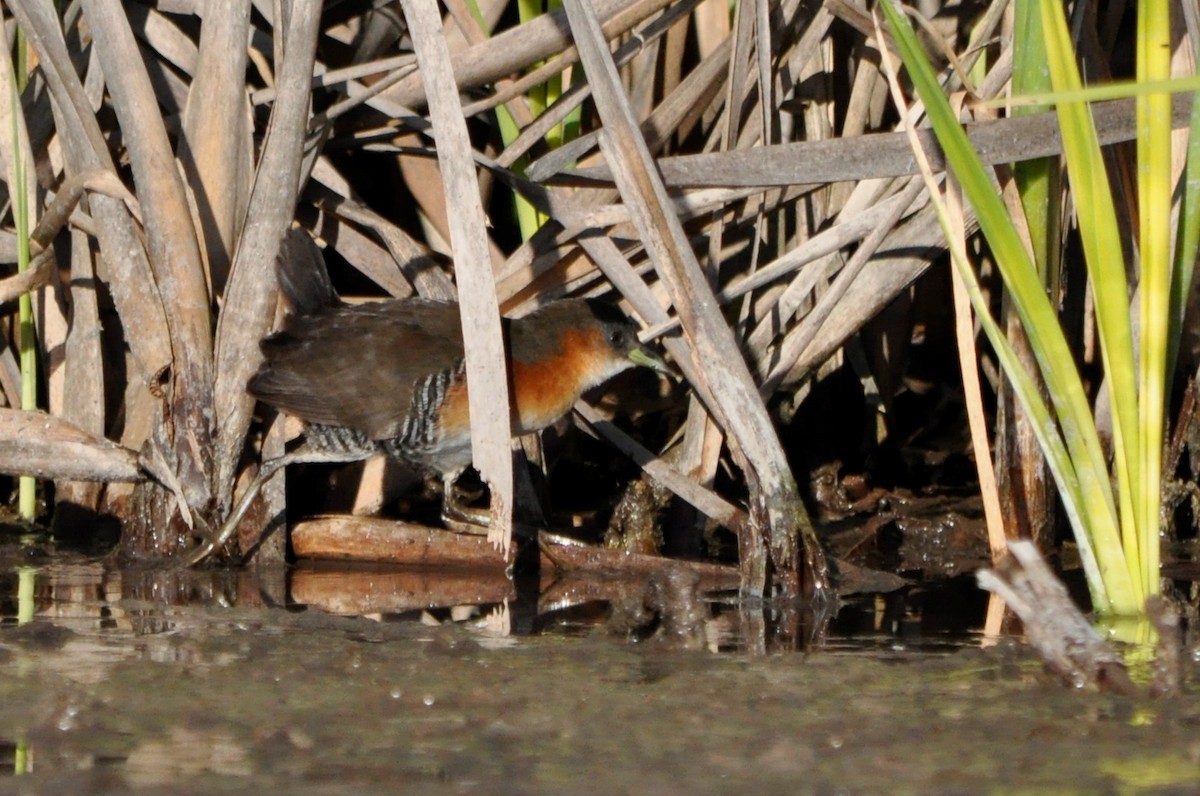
{"x": 390, "y": 376}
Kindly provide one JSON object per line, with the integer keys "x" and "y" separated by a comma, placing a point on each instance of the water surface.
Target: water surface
{"x": 227, "y": 683}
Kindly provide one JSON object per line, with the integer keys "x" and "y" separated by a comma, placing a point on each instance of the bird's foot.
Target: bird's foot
{"x": 459, "y": 517}
{"x": 465, "y": 519}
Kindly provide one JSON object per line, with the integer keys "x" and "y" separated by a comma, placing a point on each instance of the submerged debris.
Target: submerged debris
{"x": 1062, "y": 636}
{"x": 634, "y": 525}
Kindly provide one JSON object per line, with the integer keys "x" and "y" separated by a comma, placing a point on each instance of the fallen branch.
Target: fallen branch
{"x": 1062, "y": 636}
{"x": 48, "y": 447}
{"x": 347, "y": 538}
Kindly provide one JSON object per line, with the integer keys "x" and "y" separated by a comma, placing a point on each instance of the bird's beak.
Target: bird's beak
{"x": 648, "y": 359}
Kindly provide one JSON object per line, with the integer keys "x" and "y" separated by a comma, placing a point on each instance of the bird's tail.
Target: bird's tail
{"x": 303, "y": 280}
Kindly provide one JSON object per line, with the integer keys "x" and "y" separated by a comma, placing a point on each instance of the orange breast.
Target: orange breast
{"x": 545, "y": 390}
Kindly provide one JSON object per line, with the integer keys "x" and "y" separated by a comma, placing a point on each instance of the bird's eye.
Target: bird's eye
{"x": 616, "y": 338}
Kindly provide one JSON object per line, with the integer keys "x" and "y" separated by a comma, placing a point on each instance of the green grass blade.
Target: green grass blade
{"x": 529, "y": 220}
{"x": 27, "y": 484}
{"x": 1154, "y": 200}
{"x": 1097, "y": 515}
{"x": 1100, "y": 234}
{"x": 1098, "y": 93}
{"x": 1188, "y": 238}
{"x": 1024, "y": 387}
{"x": 1038, "y": 179}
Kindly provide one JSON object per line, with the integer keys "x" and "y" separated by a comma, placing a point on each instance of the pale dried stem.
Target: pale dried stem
{"x": 249, "y": 306}
{"x": 776, "y": 501}
{"x": 483, "y": 342}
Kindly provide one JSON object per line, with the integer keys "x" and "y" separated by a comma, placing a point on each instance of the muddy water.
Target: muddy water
{"x": 135, "y": 682}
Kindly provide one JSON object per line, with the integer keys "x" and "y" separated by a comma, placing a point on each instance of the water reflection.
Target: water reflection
{"x": 678, "y": 608}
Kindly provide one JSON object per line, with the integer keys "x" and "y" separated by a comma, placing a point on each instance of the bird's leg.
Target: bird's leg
{"x": 302, "y": 455}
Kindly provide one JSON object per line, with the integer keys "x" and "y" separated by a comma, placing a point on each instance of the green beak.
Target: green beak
{"x": 648, "y": 359}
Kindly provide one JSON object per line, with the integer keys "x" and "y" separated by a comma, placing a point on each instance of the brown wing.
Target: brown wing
{"x": 355, "y": 365}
